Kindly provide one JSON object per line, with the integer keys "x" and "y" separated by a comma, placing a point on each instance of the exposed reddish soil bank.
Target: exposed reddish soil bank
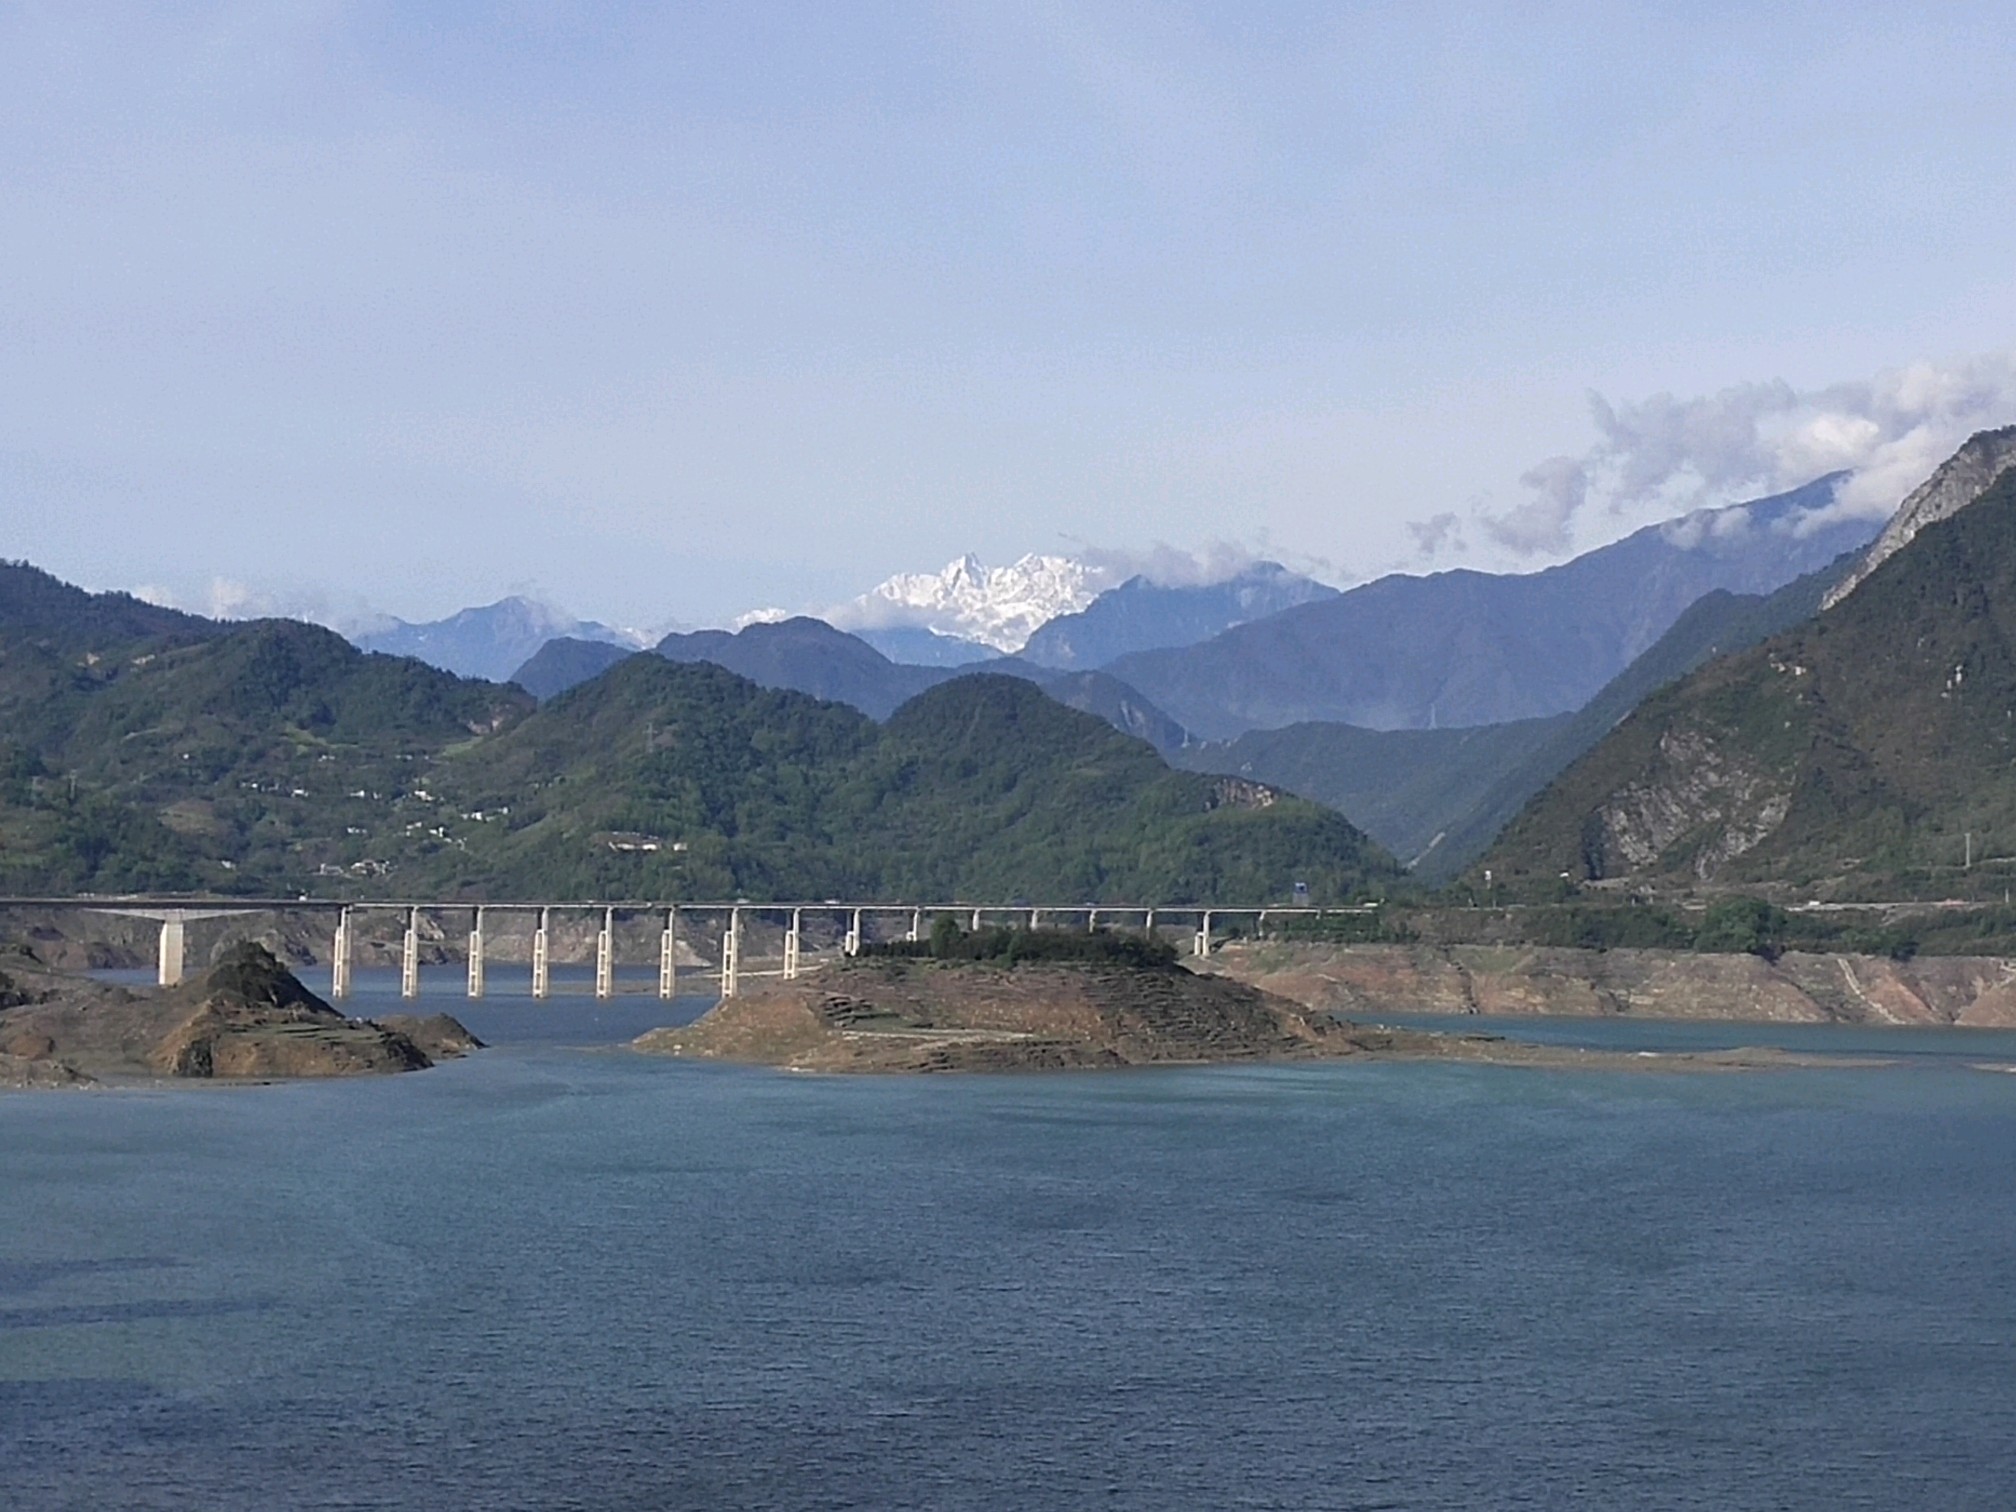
{"x": 901, "y": 1015}
{"x": 1369, "y": 980}
{"x": 249, "y": 1018}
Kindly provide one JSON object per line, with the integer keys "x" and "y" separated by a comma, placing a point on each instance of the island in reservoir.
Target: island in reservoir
{"x": 247, "y": 1018}
{"x": 1010, "y": 1004}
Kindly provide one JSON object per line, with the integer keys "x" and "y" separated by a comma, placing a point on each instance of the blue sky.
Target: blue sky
{"x": 663, "y": 312}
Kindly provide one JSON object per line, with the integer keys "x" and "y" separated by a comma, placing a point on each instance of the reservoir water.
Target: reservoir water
{"x": 556, "y": 1276}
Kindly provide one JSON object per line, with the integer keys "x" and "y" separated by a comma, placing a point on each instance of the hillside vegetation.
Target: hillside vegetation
{"x": 142, "y": 750}
{"x": 1853, "y": 755}
{"x": 666, "y": 780}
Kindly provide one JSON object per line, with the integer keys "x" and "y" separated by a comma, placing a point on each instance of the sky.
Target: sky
{"x": 661, "y": 313}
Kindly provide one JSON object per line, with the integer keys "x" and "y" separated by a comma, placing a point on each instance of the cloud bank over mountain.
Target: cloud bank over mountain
{"x": 1666, "y": 455}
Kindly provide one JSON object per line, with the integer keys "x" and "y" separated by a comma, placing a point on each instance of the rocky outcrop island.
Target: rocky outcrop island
{"x": 248, "y": 1018}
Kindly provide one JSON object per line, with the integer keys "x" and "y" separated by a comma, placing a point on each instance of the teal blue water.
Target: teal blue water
{"x": 555, "y": 1277}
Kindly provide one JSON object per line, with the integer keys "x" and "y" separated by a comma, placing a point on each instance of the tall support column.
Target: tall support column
{"x": 409, "y": 957}
{"x": 668, "y": 957}
{"x": 339, "y": 958}
{"x": 169, "y": 972}
{"x": 791, "y": 945}
{"x": 542, "y": 966}
{"x": 854, "y": 935}
{"x": 605, "y": 956}
{"x": 731, "y": 953}
{"x": 916, "y": 925}
{"x": 976, "y": 921}
{"x": 1148, "y": 927}
{"x": 1203, "y": 943}
{"x": 476, "y": 956}
{"x": 1035, "y": 919}
{"x": 1091, "y": 920}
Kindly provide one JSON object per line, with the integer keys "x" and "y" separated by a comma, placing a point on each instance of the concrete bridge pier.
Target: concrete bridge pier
{"x": 731, "y": 953}
{"x": 1148, "y": 927}
{"x": 339, "y": 959}
{"x": 168, "y": 970}
{"x": 476, "y": 956}
{"x": 542, "y": 971}
{"x": 409, "y": 957}
{"x": 976, "y": 921}
{"x": 1091, "y": 920}
{"x": 791, "y": 946}
{"x": 668, "y": 957}
{"x": 916, "y": 925}
{"x": 605, "y": 956}
{"x": 1202, "y": 945}
{"x": 853, "y": 944}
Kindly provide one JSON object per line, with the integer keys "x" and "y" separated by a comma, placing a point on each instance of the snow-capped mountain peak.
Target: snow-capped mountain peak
{"x": 999, "y": 607}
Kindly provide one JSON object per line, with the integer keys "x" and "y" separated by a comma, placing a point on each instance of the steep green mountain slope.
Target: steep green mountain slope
{"x": 1852, "y": 754}
{"x": 665, "y": 780}
{"x": 1438, "y": 798}
{"x": 246, "y": 760}
{"x": 1402, "y": 787}
{"x": 1718, "y": 624}
{"x": 39, "y": 607}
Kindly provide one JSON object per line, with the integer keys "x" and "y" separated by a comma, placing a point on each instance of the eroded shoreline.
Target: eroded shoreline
{"x": 913, "y": 1016}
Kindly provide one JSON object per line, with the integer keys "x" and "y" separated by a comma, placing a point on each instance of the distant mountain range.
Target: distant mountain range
{"x": 810, "y": 656}
{"x": 1868, "y": 751}
{"x": 490, "y": 642}
{"x": 1467, "y": 648}
{"x": 1435, "y": 796}
{"x": 1847, "y": 732}
{"x": 918, "y": 647}
{"x": 995, "y": 607}
{"x": 1140, "y": 615}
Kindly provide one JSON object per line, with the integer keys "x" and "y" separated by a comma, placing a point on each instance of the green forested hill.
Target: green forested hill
{"x": 1852, "y": 755}
{"x": 172, "y": 753}
{"x": 40, "y": 608}
{"x": 667, "y": 780}
{"x": 239, "y": 760}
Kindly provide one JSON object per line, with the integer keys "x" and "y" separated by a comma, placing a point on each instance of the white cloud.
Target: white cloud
{"x": 1665, "y": 455}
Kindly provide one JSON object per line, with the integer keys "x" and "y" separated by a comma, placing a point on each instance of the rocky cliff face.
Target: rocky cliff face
{"x": 1962, "y": 479}
{"x": 1868, "y": 752}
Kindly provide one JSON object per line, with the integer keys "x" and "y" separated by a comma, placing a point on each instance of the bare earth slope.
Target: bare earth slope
{"x": 917, "y": 1015}
{"x": 1974, "y": 991}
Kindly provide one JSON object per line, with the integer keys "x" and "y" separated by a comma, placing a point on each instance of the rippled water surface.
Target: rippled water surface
{"x": 555, "y": 1277}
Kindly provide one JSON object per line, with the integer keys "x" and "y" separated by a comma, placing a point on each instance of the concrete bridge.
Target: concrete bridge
{"x": 850, "y": 922}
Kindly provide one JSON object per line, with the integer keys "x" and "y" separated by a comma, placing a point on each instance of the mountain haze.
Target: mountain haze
{"x": 490, "y": 642}
{"x": 1140, "y": 615}
{"x": 810, "y": 656}
{"x": 1466, "y": 648}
